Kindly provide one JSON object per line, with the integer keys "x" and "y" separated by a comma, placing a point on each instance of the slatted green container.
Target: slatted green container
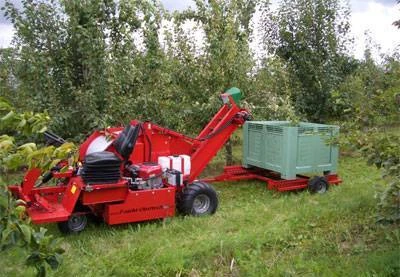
{"x": 290, "y": 150}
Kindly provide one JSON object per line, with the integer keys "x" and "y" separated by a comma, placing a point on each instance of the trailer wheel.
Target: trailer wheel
{"x": 198, "y": 199}
{"x": 318, "y": 184}
{"x": 75, "y": 224}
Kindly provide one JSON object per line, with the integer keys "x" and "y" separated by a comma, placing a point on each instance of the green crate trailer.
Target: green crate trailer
{"x": 290, "y": 150}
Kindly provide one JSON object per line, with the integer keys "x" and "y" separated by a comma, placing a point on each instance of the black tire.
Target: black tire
{"x": 75, "y": 224}
{"x": 96, "y": 219}
{"x": 198, "y": 199}
{"x": 318, "y": 184}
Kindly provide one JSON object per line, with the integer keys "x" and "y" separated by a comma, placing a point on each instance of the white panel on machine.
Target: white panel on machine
{"x": 98, "y": 144}
{"x": 186, "y": 164}
{"x": 164, "y": 162}
{"x": 177, "y": 162}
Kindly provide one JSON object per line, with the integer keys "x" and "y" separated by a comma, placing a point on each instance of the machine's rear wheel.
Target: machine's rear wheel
{"x": 75, "y": 224}
{"x": 198, "y": 199}
{"x": 318, "y": 184}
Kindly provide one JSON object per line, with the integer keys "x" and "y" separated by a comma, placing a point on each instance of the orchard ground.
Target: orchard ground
{"x": 255, "y": 232}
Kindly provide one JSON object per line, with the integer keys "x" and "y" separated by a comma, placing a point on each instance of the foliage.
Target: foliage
{"x": 15, "y": 228}
{"x": 16, "y": 152}
{"x": 24, "y": 124}
{"x": 225, "y": 59}
{"x": 32, "y": 156}
{"x": 66, "y": 65}
{"x": 6, "y": 81}
{"x": 92, "y": 64}
{"x": 368, "y": 96}
{"x": 220, "y": 60}
{"x": 311, "y": 37}
{"x": 397, "y": 22}
{"x": 272, "y": 91}
{"x": 384, "y": 152}
{"x": 366, "y": 102}
{"x": 382, "y": 149}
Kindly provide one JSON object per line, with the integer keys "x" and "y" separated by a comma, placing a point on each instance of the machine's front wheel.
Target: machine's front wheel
{"x": 75, "y": 224}
{"x": 198, "y": 199}
{"x": 318, "y": 184}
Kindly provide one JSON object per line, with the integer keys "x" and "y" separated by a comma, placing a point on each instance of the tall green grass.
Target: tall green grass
{"x": 255, "y": 232}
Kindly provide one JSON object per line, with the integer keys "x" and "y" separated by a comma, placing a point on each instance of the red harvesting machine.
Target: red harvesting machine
{"x": 140, "y": 172}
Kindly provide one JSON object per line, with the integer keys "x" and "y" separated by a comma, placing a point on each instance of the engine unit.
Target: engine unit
{"x": 145, "y": 176}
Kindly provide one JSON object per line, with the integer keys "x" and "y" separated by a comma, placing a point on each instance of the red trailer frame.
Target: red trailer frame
{"x": 272, "y": 179}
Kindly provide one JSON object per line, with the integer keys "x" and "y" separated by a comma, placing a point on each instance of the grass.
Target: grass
{"x": 255, "y": 232}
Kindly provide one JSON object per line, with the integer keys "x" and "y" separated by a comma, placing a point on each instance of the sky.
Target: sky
{"x": 372, "y": 16}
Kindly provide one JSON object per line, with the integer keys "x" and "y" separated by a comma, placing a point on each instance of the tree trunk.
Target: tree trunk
{"x": 228, "y": 153}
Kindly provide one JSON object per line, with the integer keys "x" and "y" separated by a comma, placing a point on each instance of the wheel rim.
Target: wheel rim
{"x": 77, "y": 223}
{"x": 201, "y": 204}
{"x": 321, "y": 188}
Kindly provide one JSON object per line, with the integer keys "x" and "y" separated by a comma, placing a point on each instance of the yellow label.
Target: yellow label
{"x": 73, "y": 189}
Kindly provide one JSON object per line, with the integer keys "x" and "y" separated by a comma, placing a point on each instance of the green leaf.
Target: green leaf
{"x": 6, "y": 234}
{"x": 43, "y": 129}
{"x": 26, "y": 231}
{"x": 41, "y": 271}
{"x": 33, "y": 259}
{"x": 29, "y": 147}
{"x": 4, "y": 105}
{"x": 53, "y": 261}
{"x": 3, "y": 202}
{"x": 8, "y": 116}
{"x": 21, "y": 124}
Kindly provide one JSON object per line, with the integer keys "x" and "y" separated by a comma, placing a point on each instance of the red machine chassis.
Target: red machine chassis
{"x": 117, "y": 203}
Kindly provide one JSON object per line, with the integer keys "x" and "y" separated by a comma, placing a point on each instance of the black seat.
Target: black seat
{"x": 126, "y": 141}
{"x": 101, "y": 168}
{"x": 104, "y": 167}
{"x": 102, "y": 159}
